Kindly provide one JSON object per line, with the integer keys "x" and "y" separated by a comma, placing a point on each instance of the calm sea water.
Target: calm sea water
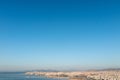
{"x": 22, "y": 76}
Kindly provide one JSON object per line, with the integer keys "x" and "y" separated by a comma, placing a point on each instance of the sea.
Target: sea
{"x": 22, "y": 76}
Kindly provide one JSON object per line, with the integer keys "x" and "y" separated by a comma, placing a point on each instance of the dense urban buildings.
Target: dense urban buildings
{"x": 89, "y": 75}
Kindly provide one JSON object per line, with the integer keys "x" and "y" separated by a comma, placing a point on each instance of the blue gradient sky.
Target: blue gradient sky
{"x": 59, "y": 34}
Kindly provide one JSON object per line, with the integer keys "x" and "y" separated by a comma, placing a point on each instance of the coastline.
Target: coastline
{"x": 90, "y": 75}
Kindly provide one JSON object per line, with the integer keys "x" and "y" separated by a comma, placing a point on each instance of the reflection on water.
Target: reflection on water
{"x": 22, "y": 76}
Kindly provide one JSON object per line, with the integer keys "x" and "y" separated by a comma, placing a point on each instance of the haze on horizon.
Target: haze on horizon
{"x": 59, "y": 34}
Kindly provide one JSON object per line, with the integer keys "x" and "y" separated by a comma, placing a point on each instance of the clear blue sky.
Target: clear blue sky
{"x": 59, "y": 34}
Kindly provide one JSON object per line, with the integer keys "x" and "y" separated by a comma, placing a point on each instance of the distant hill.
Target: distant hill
{"x": 109, "y": 69}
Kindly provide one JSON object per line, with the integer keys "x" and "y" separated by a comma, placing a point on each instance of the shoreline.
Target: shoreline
{"x": 90, "y": 75}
